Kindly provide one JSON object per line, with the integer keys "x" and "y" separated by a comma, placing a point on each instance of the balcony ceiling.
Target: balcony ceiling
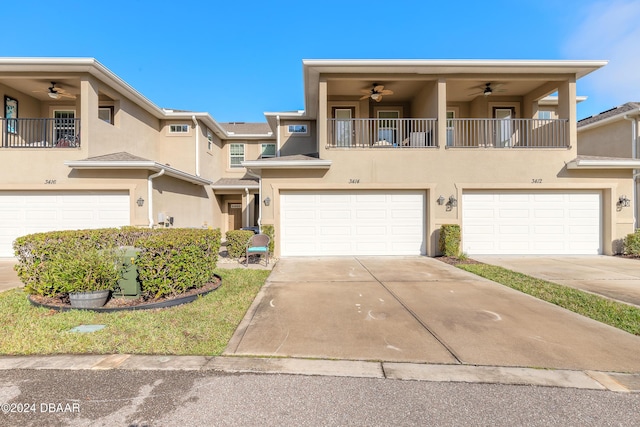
{"x": 458, "y": 90}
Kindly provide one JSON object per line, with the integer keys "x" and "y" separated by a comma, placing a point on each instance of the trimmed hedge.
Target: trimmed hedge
{"x": 269, "y": 231}
{"x": 449, "y": 242}
{"x": 632, "y": 244}
{"x": 170, "y": 262}
{"x": 237, "y": 242}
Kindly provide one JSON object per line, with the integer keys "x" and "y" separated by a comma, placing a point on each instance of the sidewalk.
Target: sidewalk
{"x": 592, "y": 380}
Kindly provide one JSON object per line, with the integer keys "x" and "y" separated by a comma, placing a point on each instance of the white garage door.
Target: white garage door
{"x": 531, "y": 223}
{"x": 26, "y": 212}
{"x": 352, "y": 223}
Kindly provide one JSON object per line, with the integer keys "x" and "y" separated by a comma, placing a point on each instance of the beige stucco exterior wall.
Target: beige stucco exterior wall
{"x": 297, "y": 144}
{"x": 609, "y": 140}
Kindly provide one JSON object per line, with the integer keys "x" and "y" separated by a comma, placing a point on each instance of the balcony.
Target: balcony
{"x": 507, "y": 133}
{"x": 461, "y": 133}
{"x": 382, "y": 133}
{"x": 40, "y": 133}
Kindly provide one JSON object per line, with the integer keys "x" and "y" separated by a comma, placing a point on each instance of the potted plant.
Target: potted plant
{"x": 89, "y": 276}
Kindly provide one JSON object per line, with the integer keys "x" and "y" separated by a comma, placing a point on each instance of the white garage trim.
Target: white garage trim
{"x": 367, "y": 222}
{"x": 26, "y": 212}
{"x": 538, "y": 223}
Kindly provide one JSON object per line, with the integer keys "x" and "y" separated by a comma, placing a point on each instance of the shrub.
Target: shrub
{"x": 269, "y": 231}
{"x": 78, "y": 269}
{"x": 632, "y": 244}
{"x": 184, "y": 257}
{"x": 173, "y": 261}
{"x": 449, "y": 243}
{"x": 237, "y": 242}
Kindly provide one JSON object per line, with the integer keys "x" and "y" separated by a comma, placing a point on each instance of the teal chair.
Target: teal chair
{"x": 258, "y": 244}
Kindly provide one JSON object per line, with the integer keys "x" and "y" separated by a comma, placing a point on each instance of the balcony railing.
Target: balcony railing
{"x": 40, "y": 133}
{"x": 382, "y": 133}
{"x": 507, "y": 133}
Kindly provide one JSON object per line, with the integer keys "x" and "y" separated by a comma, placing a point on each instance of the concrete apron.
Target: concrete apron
{"x": 8, "y": 277}
{"x": 418, "y": 309}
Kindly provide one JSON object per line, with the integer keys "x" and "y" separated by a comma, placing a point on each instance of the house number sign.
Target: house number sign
{"x": 354, "y": 181}
{"x": 49, "y": 181}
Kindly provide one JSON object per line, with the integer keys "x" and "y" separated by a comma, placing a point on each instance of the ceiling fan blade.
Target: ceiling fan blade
{"x": 378, "y": 88}
{"x": 367, "y": 91}
{"x": 379, "y": 98}
{"x": 386, "y": 92}
{"x": 364, "y": 97}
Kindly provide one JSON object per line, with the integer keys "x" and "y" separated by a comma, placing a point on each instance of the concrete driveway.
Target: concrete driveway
{"x": 418, "y": 309}
{"x": 8, "y": 277}
{"x": 612, "y": 277}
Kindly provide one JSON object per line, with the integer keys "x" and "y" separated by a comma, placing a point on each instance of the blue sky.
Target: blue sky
{"x": 236, "y": 60}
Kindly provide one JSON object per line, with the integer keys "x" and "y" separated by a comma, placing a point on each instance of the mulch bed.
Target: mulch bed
{"x": 124, "y": 303}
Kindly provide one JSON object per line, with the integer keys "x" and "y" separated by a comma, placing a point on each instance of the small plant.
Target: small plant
{"x": 269, "y": 231}
{"x": 79, "y": 270}
{"x": 632, "y": 244}
{"x": 449, "y": 243}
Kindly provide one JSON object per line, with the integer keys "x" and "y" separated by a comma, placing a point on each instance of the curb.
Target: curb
{"x": 588, "y": 380}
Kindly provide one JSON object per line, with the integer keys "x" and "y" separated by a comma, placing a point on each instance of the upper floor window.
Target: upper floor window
{"x": 209, "y": 139}
{"x": 106, "y": 114}
{"x": 544, "y": 114}
{"x": 298, "y": 129}
{"x": 181, "y": 128}
{"x": 236, "y": 155}
{"x": 268, "y": 150}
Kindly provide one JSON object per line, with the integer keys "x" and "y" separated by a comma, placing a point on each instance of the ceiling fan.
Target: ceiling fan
{"x": 375, "y": 93}
{"x": 487, "y": 89}
{"x": 56, "y": 92}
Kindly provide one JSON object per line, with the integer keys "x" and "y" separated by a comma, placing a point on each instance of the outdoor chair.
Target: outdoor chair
{"x": 258, "y": 244}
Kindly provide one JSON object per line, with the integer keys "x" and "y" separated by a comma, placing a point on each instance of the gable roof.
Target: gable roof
{"x": 124, "y": 160}
{"x": 616, "y": 113}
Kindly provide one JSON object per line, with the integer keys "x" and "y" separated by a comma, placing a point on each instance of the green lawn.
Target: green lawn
{"x": 203, "y": 327}
{"x": 612, "y": 313}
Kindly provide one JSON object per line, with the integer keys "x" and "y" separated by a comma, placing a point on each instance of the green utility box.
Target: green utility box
{"x": 129, "y": 285}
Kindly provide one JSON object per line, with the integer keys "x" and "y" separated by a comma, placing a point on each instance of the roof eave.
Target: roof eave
{"x": 611, "y": 119}
{"x": 604, "y": 164}
{"x": 288, "y": 164}
{"x": 146, "y": 165}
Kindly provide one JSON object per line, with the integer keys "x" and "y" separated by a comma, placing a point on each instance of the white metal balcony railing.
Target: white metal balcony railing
{"x": 465, "y": 133}
{"x": 40, "y": 133}
{"x": 381, "y": 133}
{"x": 507, "y": 133}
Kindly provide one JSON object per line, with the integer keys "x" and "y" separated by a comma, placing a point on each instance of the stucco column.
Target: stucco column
{"x": 567, "y": 108}
{"x": 88, "y": 110}
{"x": 322, "y": 117}
{"x": 441, "y": 96}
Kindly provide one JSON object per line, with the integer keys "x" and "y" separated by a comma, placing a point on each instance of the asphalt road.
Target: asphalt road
{"x": 207, "y": 398}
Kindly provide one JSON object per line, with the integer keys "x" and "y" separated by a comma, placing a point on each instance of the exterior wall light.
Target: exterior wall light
{"x": 623, "y": 202}
{"x": 267, "y": 201}
{"x": 140, "y": 201}
{"x": 440, "y": 200}
{"x": 452, "y": 201}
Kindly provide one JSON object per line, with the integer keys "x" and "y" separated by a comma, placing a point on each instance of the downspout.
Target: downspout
{"x": 246, "y": 193}
{"x": 150, "y": 194}
{"x": 249, "y": 172}
{"x": 277, "y": 137}
{"x": 197, "y": 130}
{"x": 634, "y": 155}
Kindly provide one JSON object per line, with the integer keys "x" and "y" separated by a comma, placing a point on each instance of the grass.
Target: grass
{"x": 612, "y": 313}
{"x": 202, "y": 327}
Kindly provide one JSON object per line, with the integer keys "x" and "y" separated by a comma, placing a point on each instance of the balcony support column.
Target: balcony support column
{"x": 441, "y": 131}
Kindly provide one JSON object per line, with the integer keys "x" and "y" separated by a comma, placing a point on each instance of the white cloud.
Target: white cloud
{"x": 609, "y": 30}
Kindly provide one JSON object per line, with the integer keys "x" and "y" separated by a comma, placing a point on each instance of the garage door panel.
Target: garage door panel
{"x": 27, "y": 212}
{"x": 543, "y": 223}
{"x": 364, "y": 222}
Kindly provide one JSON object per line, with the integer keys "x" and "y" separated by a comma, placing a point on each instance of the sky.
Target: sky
{"x": 239, "y": 59}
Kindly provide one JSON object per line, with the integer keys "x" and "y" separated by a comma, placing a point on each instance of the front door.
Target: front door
{"x": 344, "y": 130}
{"x": 234, "y": 211}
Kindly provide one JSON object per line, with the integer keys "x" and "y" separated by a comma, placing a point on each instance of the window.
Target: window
{"x": 178, "y": 128}
{"x": 106, "y": 114}
{"x": 236, "y": 155}
{"x": 299, "y": 129}
{"x": 268, "y": 150}
{"x": 209, "y": 139}
{"x": 544, "y": 114}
